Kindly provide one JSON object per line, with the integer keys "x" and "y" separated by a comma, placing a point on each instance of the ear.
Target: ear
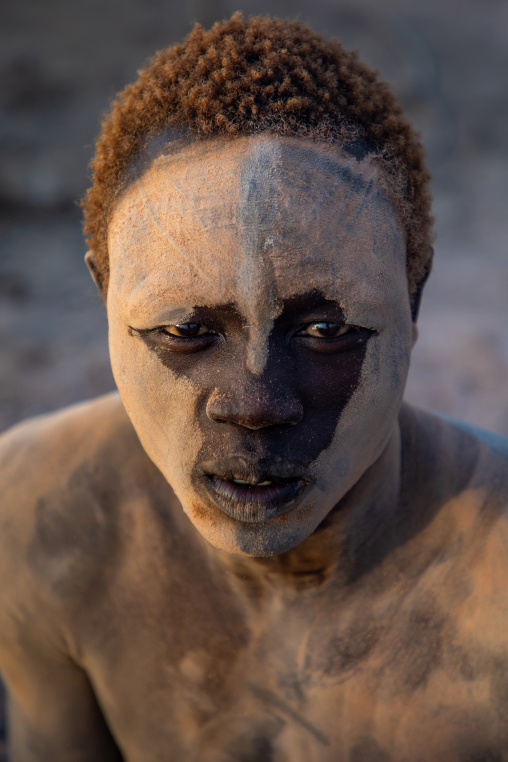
{"x": 94, "y": 271}
{"x": 417, "y": 296}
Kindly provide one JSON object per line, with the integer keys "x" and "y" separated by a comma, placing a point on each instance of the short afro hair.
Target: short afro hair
{"x": 262, "y": 74}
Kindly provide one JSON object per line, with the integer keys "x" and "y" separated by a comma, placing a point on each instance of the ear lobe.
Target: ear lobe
{"x": 94, "y": 271}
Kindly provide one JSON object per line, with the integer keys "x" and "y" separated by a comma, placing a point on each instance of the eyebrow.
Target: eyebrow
{"x": 169, "y": 315}
{"x": 307, "y": 301}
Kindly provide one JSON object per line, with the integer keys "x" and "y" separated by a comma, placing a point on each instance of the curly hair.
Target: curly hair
{"x": 262, "y": 74}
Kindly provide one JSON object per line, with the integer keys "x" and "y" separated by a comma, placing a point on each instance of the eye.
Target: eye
{"x": 186, "y": 330}
{"x": 325, "y": 330}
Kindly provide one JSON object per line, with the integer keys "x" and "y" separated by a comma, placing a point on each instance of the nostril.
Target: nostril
{"x": 254, "y": 411}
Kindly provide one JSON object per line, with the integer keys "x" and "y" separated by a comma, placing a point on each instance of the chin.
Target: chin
{"x": 258, "y": 540}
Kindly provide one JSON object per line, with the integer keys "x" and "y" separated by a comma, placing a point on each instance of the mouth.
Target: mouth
{"x": 249, "y": 495}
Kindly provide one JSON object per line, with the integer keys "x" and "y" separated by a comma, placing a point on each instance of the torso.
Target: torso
{"x": 396, "y": 655}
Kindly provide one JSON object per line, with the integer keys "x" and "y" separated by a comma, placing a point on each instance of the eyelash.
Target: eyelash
{"x": 352, "y": 332}
{"x": 161, "y": 332}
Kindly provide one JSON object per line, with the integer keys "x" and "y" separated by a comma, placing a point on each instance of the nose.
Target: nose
{"x": 256, "y": 405}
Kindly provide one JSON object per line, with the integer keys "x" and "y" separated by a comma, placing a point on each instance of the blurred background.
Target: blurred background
{"x": 61, "y": 62}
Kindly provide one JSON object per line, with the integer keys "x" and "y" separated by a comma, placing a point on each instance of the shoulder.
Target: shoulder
{"x": 488, "y": 440}
{"x": 458, "y": 501}
{"x": 58, "y": 434}
{"x": 63, "y": 482}
{"x": 455, "y": 487}
{"x": 453, "y": 454}
{"x": 52, "y": 458}
{"x": 47, "y": 454}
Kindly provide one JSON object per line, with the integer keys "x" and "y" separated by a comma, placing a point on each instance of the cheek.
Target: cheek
{"x": 327, "y": 383}
{"x": 160, "y": 404}
{"x": 367, "y": 421}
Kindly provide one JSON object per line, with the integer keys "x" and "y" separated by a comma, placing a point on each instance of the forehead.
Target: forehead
{"x": 221, "y": 220}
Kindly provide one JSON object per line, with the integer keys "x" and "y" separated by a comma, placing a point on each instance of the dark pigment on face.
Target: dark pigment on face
{"x": 272, "y": 426}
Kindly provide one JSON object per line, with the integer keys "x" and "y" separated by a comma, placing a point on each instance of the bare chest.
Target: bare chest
{"x": 202, "y": 676}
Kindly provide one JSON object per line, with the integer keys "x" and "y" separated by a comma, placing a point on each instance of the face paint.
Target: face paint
{"x": 283, "y": 263}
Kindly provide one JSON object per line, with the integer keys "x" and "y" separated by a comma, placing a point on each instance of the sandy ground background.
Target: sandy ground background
{"x": 61, "y": 62}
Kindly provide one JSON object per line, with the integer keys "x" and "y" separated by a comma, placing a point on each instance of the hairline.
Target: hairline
{"x": 173, "y": 139}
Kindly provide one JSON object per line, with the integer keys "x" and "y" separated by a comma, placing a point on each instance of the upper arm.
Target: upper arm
{"x": 53, "y": 714}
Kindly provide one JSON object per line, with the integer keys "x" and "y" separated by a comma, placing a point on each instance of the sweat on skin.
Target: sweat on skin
{"x": 249, "y": 226}
{"x": 363, "y": 617}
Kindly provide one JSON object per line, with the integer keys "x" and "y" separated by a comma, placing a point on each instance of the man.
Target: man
{"x": 256, "y": 551}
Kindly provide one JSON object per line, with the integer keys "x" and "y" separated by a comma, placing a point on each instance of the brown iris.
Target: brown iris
{"x": 326, "y": 330}
{"x": 186, "y": 330}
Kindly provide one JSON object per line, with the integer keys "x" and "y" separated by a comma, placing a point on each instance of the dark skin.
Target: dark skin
{"x": 211, "y": 656}
{"x": 131, "y": 625}
{"x": 315, "y": 355}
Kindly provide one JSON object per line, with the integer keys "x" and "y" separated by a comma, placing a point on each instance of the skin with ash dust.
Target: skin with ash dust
{"x": 256, "y": 552}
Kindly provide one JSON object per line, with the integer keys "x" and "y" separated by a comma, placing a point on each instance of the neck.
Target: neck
{"x": 339, "y": 548}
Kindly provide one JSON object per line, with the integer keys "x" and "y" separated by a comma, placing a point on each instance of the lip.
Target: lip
{"x": 251, "y": 501}
{"x": 254, "y": 504}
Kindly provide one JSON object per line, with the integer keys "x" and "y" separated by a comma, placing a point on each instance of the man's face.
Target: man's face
{"x": 260, "y": 330}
